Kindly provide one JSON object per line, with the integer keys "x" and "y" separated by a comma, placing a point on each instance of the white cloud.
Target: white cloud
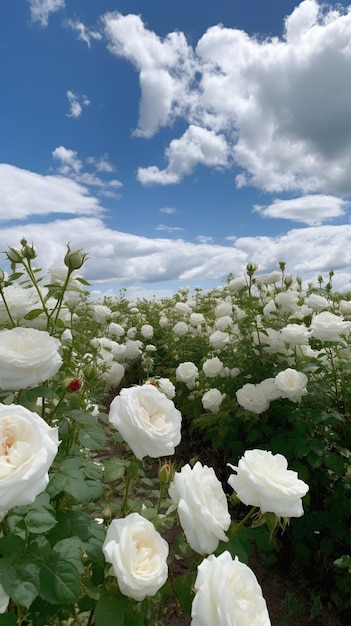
{"x": 169, "y": 229}
{"x": 41, "y": 9}
{"x": 168, "y": 210}
{"x": 72, "y": 167}
{"x": 312, "y": 209}
{"x": 83, "y": 33}
{"x": 76, "y": 103}
{"x": 280, "y": 106}
{"x": 25, "y": 193}
{"x": 196, "y": 146}
{"x": 204, "y": 239}
{"x": 124, "y": 260}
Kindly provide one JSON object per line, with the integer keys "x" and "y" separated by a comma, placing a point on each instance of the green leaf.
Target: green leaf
{"x": 92, "y": 437}
{"x": 32, "y": 315}
{"x": 39, "y": 520}
{"x": 344, "y": 562}
{"x": 8, "y": 619}
{"x": 335, "y": 463}
{"x": 111, "y": 611}
{"x": 184, "y": 587}
{"x": 114, "y": 469}
{"x": 69, "y": 550}
{"x": 11, "y": 544}
{"x": 21, "y": 580}
{"x": 59, "y": 582}
{"x": 82, "y": 281}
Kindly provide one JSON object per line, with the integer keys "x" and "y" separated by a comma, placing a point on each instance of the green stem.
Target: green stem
{"x": 243, "y": 521}
{"x": 160, "y": 497}
{"x": 6, "y": 307}
{"x": 126, "y": 493}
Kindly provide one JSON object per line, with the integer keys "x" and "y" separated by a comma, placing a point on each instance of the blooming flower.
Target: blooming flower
{"x": 147, "y": 420}
{"x": 28, "y": 447}
{"x": 262, "y": 479}
{"x": 212, "y": 367}
{"x": 328, "y": 327}
{"x": 138, "y": 556}
{"x": 291, "y": 384}
{"x": 28, "y": 357}
{"x": 252, "y": 398}
{"x": 212, "y": 399}
{"x": 187, "y": 372}
{"x": 202, "y": 506}
{"x": 227, "y": 593}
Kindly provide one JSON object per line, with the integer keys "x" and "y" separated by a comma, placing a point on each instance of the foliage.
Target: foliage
{"x": 52, "y": 564}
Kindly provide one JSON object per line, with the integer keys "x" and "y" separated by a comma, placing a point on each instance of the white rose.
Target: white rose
{"x": 4, "y": 600}
{"x": 270, "y": 389}
{"x": 272, "y": 278}
{"x": 291, "y": 384}
{"x": 262, "y": 479}
{"x": 19, "y": 301}
{"x": 295, "y": 334}
{"x": 252, "y": 398}
{"x": 196, "y": 319}
{"x": 147, "y": 420}
{"x": 182, "y": 307}
{"x": 287, "y": 301}
{"x": 166, "y": 386}
{"x": 212, "y": 367}
{"x": 328, "y": 327}
{"x": 28, "y": 448}
{"x": 101, "y": 313}
{"x": 227, "y": 593}
{"x": 317, "y": 302}
{"x": 147, "y": 331}
{"x": 28, "y": 357}
{"x": 132, "y": 349}
{"x": 345, "y": 307}
{"x": 223, "y": 309}
{"x": 212, "y": 399}
{"x": 180, "y": 329}
{"x": 270, "y": 308}
{"x": 116, "y": 330}
{"x": 223, "y": 323}
{"x": 138, "y": 556}
{"x": 113, "y": 374}
{"x": 219, "y": 339}
{"x": 202, "y": 507}
{"x": 237, "y": 284}
{"x": 187, "y": 372}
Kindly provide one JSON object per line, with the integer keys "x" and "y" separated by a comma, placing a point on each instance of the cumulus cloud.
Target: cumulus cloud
{"x": 76, "y": 103}
{"x": 128, "y": 260}
{"x": 278, "y": 107}
{"x": 41, "y": 9}
{"x": 312, "y": 209}
{"x": 197, "y": 146}
{"x": 169, "y": 229}
{"x": 25, "y": 193}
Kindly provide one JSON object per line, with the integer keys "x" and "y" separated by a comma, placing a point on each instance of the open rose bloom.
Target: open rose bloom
{"x": 28, "y": 448}
{"x": 147, "y": 420}
{"x": 262, "y": 479}
{"x": 202, "y": 507}
{"x": 227, "y": 594}
{"x": 138, "y": 556}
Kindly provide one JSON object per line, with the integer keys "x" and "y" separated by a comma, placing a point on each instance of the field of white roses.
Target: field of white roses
{"x": 224, "y": 416}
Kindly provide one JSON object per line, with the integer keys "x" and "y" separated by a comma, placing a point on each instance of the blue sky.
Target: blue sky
{"x": 176, "y": 141}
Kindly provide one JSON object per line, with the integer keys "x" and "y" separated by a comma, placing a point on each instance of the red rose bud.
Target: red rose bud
{"x": 73, "y": 384}
{"x": 165, "y": 474}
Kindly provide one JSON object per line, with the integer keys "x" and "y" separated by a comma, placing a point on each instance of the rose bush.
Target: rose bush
{"x": 227, "y": 593}
{"x": 147, "y": 420}
{"x": 28, "y": 448}
{"x": 202, "y": 506}
{"x": 262, "y": 479}
{"x": 138, "y": 556}
{"x": 28, "y": 357}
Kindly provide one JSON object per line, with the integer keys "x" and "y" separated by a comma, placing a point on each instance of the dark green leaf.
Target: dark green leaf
{"x": 59, "y": 582}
